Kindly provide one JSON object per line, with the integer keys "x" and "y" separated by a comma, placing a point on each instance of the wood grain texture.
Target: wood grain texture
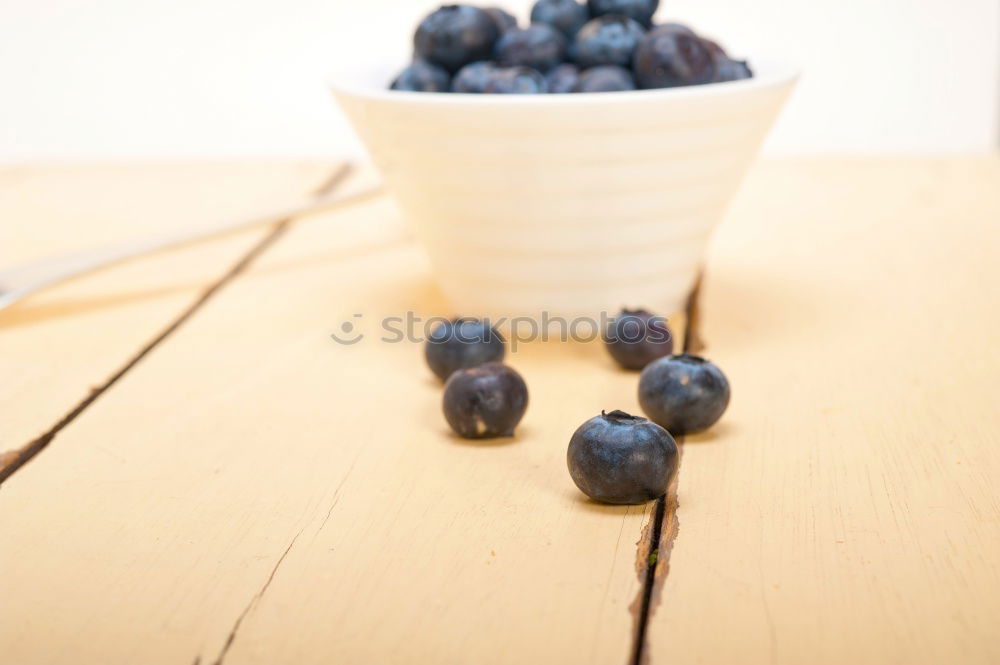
{"x": 253, "y": 492}
{"x": 266, "y": 495}
{"x": 69, "y": 339}
{"x": 846, "y": 509}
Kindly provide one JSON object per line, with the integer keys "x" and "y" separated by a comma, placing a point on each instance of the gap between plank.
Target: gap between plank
{"x": 12, "y": 461}
{"x": 664, "y": 526}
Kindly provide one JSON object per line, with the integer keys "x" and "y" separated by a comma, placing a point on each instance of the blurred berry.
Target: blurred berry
{"x": 455, "y": 35}
{"x": 422, "y": 76}
{"x": 608, "y": 40}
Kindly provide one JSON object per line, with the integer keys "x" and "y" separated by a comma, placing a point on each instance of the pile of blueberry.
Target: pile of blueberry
{"x": 614, "y": 457}
{"x": 600, "y": 46}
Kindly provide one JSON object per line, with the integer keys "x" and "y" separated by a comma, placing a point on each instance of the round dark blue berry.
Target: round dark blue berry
{"x": 460, "y": 344}
{"x": 619, "y": 458}
{"x": 563, "y": 78}
{"x": 422, "y": 76}
{"x": 516, "y": 81}
{"x": 455, "y": 35}
{"x": 608, "y": 40}
{"x": 636, "y": 338}
{"x": 637, "y": 10}
{"x": 473, "y": 78}
{"x": 485, "y": 402}
{"x": 606, "y": 78}
{"x": 503, "y": 20}
{"x": 683, "y": 393}
{"x": 540, "y": 47}
{"x": 566, "y": 16}
{"x": 667, "y": 57}
{"x": 727, "y": 69}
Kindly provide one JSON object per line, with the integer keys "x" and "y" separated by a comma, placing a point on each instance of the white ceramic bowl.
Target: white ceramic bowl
{"x": 569, "y": 204}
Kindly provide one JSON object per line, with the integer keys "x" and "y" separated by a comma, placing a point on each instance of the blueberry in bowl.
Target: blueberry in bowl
{"x": 667, "y": 57}
{"x": 540, "y": 47}
{"x": 621, "y": 459}
{"x": 605, "y": 78}
{"x": 566, "y": 16}
{"x": 422, "y": 76}
{"x": 474, "y": 78}
{"x": 684, "y": 394}
{"x": 516, "y": 81}
{"x": 607, "y": 40}
{"x": 485, "y": 402}
{"x": 479, "y": 49}
{"x": 462, "y": 343}
{"x": 638, "y": 10}
{"x": 455, "y": 35}
{"x": 563, "y": 79}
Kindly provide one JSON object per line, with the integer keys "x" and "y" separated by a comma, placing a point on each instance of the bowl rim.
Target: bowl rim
{"x": 768, "y": 73}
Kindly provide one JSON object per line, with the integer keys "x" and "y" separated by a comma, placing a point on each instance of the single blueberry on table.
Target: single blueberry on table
{"x": 566, "y": 16}
{"x": 608, "y": 40}
{"x": 684, "y": 393}
{"x": 503, "y": 20}
{"x": 620, "y": 458}
{"x": 636, "y": 338}
{"x": 667, "y": 58}
{"x": 516, "y": 81}
{"x": 485, "y": 401}
{"x": 462, "y": 343}
{"x": 422, "y": 76}
{"x": 540, "y": 47}
{"x": 637, "y": 10}
{"x": 563, "y": 78}
{"x": 473, "y": 78}
{"x": 727, "y": 69}
{"x": 455, "y": 35}
{"x": 605, "y": 78}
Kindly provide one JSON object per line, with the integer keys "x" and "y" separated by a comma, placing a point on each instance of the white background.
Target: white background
{"x": 118, "y": 79}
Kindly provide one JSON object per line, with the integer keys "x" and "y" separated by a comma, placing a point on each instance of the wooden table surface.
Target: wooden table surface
{"x": 217, "y": 481}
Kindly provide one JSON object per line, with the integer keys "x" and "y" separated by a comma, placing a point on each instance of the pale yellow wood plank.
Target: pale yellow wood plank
{"x": 49, "y": 209}
{"x": 264, "y": 488}
{"x": 847, "y": 510}
{"x": 308, "y": 495}
{"x": 58, "y": 344}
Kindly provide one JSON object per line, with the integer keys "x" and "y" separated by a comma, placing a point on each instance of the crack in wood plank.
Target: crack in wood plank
{"x": 336, "y": 495}
{"x": 257, "y": 597}
{"x": 657, "y": 541}
{"x": 13, "y": 460}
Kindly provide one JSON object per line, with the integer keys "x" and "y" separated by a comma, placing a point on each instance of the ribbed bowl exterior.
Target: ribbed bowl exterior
{"x": 567, "y": 204}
